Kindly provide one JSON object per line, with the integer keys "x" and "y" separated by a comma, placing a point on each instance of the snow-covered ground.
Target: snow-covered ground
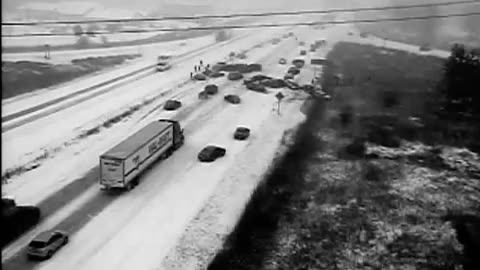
{"x": 146, "y": 50}
{"x": 139, "y": 228}
{"x": 158, "y": 206}
{"x": 149, "y": 55}
{"x": 23, "y": 144}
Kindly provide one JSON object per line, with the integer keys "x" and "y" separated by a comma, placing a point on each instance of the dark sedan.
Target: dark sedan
{"x": 241, "y": 133}
{"x": 211, "y": 153}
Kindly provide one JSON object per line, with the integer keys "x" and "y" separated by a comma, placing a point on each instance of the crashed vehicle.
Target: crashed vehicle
{"x": 292, "y": 85}
{"x": 274, "y": 83}
{"x": 218, "y": 66}
{"x": 241, "y": 133}
{"x": 235, "y": 76}
{"x": 257, "y": 87}
{"x": 211, "y": 153}
{"x": 289, "y": 76}
{"x": 242, "y": 55}
{"x": 293, "y": 70}
{"x": 211, "y": 89}
{"x": 254, "y": 67}
{"x": 298, "y": 63}
{"x": 203, "y": 95}
{"x": 234, "y": 99}
{"x": 199, "y": 77}
{"x": 216, "y": 74}
{"x": 256, "y": 78}
{"x": 172, "y": 105}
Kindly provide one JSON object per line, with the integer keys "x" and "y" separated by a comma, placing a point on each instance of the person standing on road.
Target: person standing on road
{"x": 191, "y": 75}
{"x": 195, "y": 68}
{"x": 201, "y": 63}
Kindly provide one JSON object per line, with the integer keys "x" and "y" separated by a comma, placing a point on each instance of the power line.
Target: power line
{"x": 225, "y": 16}
{"x": 248, "y": 26}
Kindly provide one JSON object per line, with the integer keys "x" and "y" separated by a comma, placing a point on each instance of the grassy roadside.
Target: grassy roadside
{"x": 24, "y": 76}
{"x": 370, "y": 179}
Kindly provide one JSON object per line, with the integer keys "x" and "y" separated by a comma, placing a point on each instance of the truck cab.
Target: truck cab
{"x": 164, "y": 62}
{"x": 178, "y": 137}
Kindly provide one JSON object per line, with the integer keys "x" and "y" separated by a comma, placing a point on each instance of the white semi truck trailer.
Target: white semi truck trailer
{"x": 121, "y": 166}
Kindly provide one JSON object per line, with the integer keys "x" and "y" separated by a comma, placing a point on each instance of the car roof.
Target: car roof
{"x": 43, "y": 236}
{"x": 211, "y": 147}
{"x": 240, "y": 127}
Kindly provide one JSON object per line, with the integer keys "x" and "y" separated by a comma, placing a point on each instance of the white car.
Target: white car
{"x": 163, "y": 62}
{"x": 163, "y": 66}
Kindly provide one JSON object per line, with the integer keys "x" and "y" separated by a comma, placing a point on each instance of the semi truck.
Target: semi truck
{"x": 121, "y": 166}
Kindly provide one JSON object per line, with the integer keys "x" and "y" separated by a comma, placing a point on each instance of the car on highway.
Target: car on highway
{"x": 234, "y": 76}
{"x": 257, "y": 87}
{"x": 303, "y": 52}
{"x": 46, "y": 244}
{"x": 211, "y": 89}
{"x": 289, "y": 76}
{"x": 164, "y": 62}
{"x": 282, "y": 61}
{"x": 199, "y": 77}
{"x": 241, "y": 133}
{"x": 234, "y": 99}
{"x": 210, "y": 153}
{"x": 293, "y": 70}
{"x": 172, "y": 105}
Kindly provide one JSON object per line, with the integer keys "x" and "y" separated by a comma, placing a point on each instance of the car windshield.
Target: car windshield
{"x": 37, "y": 244}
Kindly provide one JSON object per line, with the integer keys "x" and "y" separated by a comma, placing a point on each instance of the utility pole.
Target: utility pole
{"x": 47, "y": 51}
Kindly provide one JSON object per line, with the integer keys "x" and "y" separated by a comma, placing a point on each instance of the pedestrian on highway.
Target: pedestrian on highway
{"x": 201, "y": 63}
{"x": 191, "y": 75}
{"x": 208, "y": 66}
{"x": 195, "y": 68}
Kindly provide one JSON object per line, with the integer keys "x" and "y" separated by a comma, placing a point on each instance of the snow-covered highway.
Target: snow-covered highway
{"x": 138, "y": 229}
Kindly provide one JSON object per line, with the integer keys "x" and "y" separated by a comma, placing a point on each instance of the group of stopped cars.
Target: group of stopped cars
{"x": 44, "y": 245}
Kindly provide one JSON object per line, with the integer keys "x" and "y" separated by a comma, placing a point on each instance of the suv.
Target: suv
{"x": 46, "y": 244}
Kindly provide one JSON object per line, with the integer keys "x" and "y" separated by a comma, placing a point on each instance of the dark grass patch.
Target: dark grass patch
{"x": 24, "y": 76}
{"x": 377, "y": 95}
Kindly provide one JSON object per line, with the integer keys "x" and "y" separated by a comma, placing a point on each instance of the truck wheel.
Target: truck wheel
{"x": 129, "y": 186}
